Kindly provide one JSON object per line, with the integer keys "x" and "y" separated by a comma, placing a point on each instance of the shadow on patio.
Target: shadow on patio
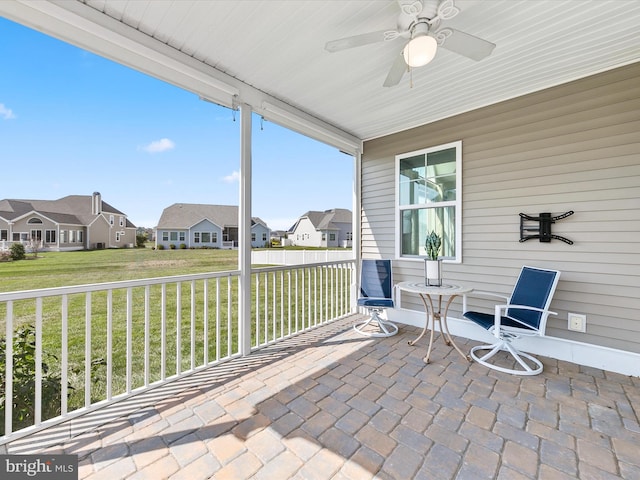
{"x": 330, "y": 404}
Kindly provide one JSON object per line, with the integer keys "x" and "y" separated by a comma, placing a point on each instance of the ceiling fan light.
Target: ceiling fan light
{"x": 420, "y": 50}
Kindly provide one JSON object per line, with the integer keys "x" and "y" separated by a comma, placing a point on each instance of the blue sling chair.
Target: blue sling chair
{"x": 524, "y": 314}
{"x": 376, "y": 295}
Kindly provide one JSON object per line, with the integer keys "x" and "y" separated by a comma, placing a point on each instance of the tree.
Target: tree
{"x": 141, "y": 239}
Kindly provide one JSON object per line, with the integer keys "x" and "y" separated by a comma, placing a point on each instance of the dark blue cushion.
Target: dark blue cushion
{"x": 375, "y": 302}
{"x": 486, "y": 320}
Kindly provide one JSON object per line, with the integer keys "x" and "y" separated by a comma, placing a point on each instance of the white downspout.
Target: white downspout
{"x": 244, "y": 232}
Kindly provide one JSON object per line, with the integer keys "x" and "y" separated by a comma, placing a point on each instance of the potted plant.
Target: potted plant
{"x": 433, "y": 264}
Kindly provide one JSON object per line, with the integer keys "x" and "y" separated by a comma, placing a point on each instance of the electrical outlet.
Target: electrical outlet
{"x": 577, "y": 322}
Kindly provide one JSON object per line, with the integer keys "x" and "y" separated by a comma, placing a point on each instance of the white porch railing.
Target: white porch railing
{"x": 93, "y": 345}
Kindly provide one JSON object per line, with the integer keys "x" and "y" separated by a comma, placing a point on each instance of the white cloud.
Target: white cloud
{"x": 158, "y": 146}
{"x": 234, "y": 177}
{"x": 6, "y": 113}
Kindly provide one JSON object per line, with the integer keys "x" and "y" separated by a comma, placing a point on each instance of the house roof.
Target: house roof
{"x": 270, "y": 54}
{"x": 69, "y": 210}
{"x": 326, "y": 220}
{"x": 186, "y": 215}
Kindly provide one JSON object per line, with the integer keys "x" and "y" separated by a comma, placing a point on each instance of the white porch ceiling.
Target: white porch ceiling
{"x": 273, "y": 51}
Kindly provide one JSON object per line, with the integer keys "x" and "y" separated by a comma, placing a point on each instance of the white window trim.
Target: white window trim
{"x": 457, "y": 203}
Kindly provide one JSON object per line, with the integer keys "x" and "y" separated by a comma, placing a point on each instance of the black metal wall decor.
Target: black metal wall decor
{"x": 542, "y": 225}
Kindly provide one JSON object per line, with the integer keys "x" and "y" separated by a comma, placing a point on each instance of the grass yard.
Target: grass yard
{"x": 56, "y": 269}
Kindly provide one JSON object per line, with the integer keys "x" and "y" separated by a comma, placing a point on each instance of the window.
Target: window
{"x": 196, "y": 237}
{"x": 165, "y": 236}
{"x": 264, "y": 237}
{"x": 111, "y": 219}
{"x": 80, "y": 236}
{"x": 122, "y": 221}
{"x": 72, "y": 236}
{"x": 173, "y": 236}
{"x": 429, "y": 196}
{"x": 214, "y": 237}
{"x": 117, "y": 236}
{"x": 50, "y": 236}
{"x": 253, "y": 237}
{"x": 206, "y": 237}
{"x": 63, "y": 236}
{"x": 36, "y": 235}
{"x": 332, "y": 237}
{"x": 34, "y": 220}
{"x": 324, "y": 236}
{"x": 4, "y": 235}
{"x": 182, "y": 236}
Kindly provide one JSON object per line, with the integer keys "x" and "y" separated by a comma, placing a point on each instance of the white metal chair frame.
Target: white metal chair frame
{"x": 505, "y": 334}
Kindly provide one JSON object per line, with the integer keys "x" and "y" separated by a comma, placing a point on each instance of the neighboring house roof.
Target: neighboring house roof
{"x": 186, "y": 215}
{"x": 326, "y": 220}
{"x": 70, "y": 210}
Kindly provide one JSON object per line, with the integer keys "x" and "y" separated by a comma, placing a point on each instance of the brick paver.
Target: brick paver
{"x": 333, "y": 405}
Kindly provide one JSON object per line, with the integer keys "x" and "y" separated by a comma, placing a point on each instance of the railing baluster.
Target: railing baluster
{"x": 64, "y": 374}
{"x": 205, "y": 319}
{"x": 163, "y": 331}
{"x": 257, "y": 307}
{"x": 147, "y": 334}
{"x": 229, "y": 320}
{"x": 178, "y": 328}
{"x": 274, "y": 310}
{"x": 193, "y": 324}
{"x": 218, "y": 318}
{"x": 37, "y": 414}
{"x": 87, "y": 349}
{"x": 8, "y": 386}
{"x": 109, "y": 344}
{"x": 266, "y": 307}
{"x": 129, "y": 340}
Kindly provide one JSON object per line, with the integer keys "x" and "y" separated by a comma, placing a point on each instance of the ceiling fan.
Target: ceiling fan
{"x": 419, "y": 23}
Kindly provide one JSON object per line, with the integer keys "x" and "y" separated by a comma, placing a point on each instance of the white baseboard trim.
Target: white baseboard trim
{"x": 589, "y": 355}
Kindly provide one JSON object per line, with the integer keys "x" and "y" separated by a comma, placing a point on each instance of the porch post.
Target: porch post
{"x": 356, "y": 237}
{"x": 244, "y": 233}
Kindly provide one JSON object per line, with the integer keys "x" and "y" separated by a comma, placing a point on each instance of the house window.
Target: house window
{"x": 165, "y": 236}
{"x": 206, "y": 237}
{"x": 173, "y": 236}
{"x": 122, "y": 221}
{"x": 181, "y": 236}
{"x": 4, "y": 235}
{"x": 117, "y": 236}
{"x": 332, "y": 237}
{"x": 214, "y": 237}
{"x": 72, "y": 236}
{"x": 80, "y": 236}
{"x": 50, "y": 236}
{"x": 253, "y": 237}
{"x": 264, "y": 237}
{"x": 111, "y": 219}
{"x": 429, "y": 195}
{"x": 36, "y": 235}
{"x": 34, "y": 220}
{"x": 196, "y": 237}
{"x": 63, "y": 236}
{"x": 324, "y": 236}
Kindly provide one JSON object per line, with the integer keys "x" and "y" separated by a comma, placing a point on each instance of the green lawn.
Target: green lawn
{"x": 56, "y": 269}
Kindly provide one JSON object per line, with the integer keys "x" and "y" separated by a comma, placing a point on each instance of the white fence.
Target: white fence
{"x": 97, "y": 344}
{"x": 298, "y": 257}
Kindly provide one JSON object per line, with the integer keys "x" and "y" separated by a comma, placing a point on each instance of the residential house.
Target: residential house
{"x": 199, "y": 226}
{"x": 331, "y": 228}
{"x": 74, "y": 222}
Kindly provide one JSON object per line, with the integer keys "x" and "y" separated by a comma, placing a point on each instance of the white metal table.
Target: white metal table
{"x": 426, "y": 293}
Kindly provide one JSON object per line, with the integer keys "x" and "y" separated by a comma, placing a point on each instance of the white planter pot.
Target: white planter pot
{"x": 433, "y": 273}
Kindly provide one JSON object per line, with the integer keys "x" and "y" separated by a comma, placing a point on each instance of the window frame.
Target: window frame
{"x": 456, "y": 204}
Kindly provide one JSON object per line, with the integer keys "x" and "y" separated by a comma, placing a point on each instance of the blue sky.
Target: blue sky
{"x": 72, "y": 123}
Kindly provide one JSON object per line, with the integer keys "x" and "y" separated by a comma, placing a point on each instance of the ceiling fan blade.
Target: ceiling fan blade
{"x": 464, "y": 44}
{"x": 355, "y": 41}
{"x": 396, "y": 72}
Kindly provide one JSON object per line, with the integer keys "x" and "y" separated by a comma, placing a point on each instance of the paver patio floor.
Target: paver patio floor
{"x": 331, "y": 404}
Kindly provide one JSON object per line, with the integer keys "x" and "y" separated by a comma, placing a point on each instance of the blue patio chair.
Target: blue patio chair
{"x": 376, "y": 295}
{"x": 524, "y": 314}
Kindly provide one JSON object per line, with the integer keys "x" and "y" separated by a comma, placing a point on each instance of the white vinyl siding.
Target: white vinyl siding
{"x": 573, "y": 147}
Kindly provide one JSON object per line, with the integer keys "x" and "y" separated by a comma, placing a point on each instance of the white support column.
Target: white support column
{"x": 356, "y": 237}
{"x": 244, "y": 232}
